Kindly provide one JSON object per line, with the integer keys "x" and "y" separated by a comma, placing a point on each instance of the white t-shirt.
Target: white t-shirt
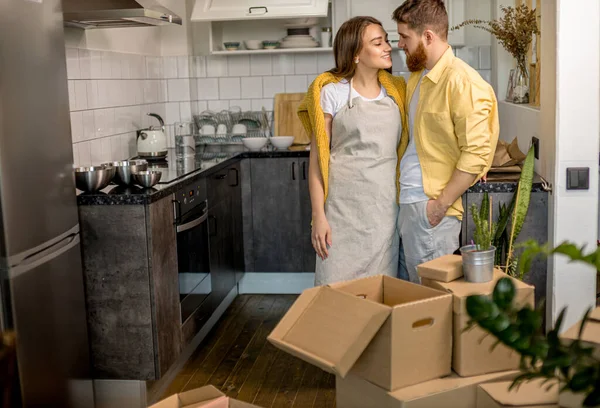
{"x": 334, "y": 96}
{"x": 411, "y": 176}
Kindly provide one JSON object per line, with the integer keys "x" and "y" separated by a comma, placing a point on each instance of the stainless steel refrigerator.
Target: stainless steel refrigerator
{"x": 42, "y": 295}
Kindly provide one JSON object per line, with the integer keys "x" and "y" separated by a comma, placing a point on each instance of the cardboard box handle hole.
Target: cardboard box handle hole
{"x": 423, "y": 323}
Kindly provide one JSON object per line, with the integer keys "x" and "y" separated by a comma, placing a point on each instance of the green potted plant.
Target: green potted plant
{"x": 478, "y": 258}
{"x": 543, "y": 355}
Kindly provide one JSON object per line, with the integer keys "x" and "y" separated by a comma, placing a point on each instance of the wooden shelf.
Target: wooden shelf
{"x": 274, "y": 51}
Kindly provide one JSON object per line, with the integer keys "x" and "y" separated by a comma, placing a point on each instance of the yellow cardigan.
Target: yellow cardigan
{"x": 312, "y": 118}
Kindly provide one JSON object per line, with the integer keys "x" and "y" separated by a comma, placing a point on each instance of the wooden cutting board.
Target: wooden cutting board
{"x": 286, "y": 118}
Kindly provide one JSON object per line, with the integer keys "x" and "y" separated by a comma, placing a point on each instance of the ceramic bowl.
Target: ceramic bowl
{"x": 231, "y": 45}
{"x": 270, "y": 45}
{"x": 253, "y": 44}
{"x": 254, "y": 144}
{"x": 282, "y": 142}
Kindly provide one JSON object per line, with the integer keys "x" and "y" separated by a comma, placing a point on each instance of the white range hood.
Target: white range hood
{"x": 220, "y": 10}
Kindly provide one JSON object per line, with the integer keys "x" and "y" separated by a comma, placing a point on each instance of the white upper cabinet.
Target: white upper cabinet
{"x": 224, "y": 10}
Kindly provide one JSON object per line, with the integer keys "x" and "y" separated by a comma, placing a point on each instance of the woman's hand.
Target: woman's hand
{"x": 321, "y": 236}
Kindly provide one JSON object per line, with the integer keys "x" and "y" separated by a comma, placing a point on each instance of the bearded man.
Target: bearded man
{"x": 453, "y": 132}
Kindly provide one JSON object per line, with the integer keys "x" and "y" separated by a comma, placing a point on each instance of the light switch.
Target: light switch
{"x": 578, "y": 178}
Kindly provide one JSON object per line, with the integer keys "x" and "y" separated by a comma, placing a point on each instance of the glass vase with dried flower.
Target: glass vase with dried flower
{"x": 514, "y": 31}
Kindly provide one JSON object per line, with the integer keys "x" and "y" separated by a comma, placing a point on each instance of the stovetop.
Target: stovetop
{"x": 174, "y": 168}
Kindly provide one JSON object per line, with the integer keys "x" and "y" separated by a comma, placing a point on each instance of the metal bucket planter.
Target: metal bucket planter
{"x": 478, "y": 266}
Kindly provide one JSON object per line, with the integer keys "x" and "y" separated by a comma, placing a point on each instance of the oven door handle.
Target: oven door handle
{"x": 193, "y": 223}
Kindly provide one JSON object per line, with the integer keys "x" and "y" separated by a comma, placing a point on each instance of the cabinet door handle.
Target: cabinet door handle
{"x": 237, "y": 177}
{"x": 303, "y": 170}
{"x": 293, "y": 170}
{"x": 212, "y": 231}
{"x": 257, "y": 8}
{"x": 220, "y": 176}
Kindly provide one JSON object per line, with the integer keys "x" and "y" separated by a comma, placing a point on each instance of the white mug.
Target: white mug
{"x": 207, "y": 130}
{"x": 222, "y": 129}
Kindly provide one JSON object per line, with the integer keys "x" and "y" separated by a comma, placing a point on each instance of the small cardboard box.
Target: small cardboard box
{"x": 203, "y": 397}
{"x": 447, "y": 392}
{"x": 472, "y": 353}
{"x": 530, "y": 394}
{"x": 390, "y": 332}
{"x": 445, "y": 268}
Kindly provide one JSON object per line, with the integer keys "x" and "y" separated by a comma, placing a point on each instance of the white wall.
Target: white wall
{"x": 569, "y": 121}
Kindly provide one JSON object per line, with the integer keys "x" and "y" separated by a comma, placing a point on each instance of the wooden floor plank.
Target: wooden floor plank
{"x": 212, "y": 361}
{"x": 239, "y": 345}
{"x": 248, "y": 359}
{"x": 268, "y": 389}
{"x": 307, "y": 392}
{"x": 286, "y": 395}
{"x": 326, "y": 394}
{"x": 261, "y": 370}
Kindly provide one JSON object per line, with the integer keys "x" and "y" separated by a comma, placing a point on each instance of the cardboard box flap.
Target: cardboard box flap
{"x": 329, "y": 328}
{"x": 445, "y": 268}
{"x": 186, "y": 399}
{"x": 528, "y": 393}
{"x": 461, "y": 290}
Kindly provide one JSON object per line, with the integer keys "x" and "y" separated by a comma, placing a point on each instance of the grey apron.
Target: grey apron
{"x": 361, "y": 205}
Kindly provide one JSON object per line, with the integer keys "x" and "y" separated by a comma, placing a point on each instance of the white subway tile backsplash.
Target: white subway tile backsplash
{"x": 84, "y": 154}
{"x": 169, "y": 67}
{"x": 218, "y": 106}
{"x": 76, "y": 127}
{"x": 183, "y": 66}
{"x": 201, "y": 106}
{"x": 104, "y": 121}
{"x": 106, "y": 63}
{"x": 106, "y": 149}
{"x": 72, "y": 55}
{"x": 258, "y": 104}
{"x": 485, "y": 57}
{"x": 310, "y": 78}
{"x": 238, "y": 65}
{"x": 89, "y": 127}
{"x": 178, "y": 90}
{"x": 325, "y": 62}
{"x": 122, "y": 120}
{"x": 244, "y": 104}
{"x": 470, "y": 55}
{"x": 151, "y": 90}
{"x": 185, "y": 111}
{"x": 85, "y": 64}
{"x": 260, "y": 65}
{"x": 216, "y": 66}
{"x": 137, "y": 66}
{"x": 76, "y": 155}
{"x": 96, "y": 152}
{"x": 125, "y": 66}
{"x": 129, "y": 144}
{"x": 116, "y": 68}
{"x": 199, "y": 65}
{"x": 282, "y": 64}
{"x": 95, "y": 64}
{"x": 117, "y": 148}
{"x": 92, "y": 94}
{"x": 295, "y": 83}
{"x": 153, "y": 67}
{"x": 71, "y": 89}
{"x": 305, "y": 63}
{"x": 208, "y": 88}
{"x": 273, "y": 85}
{"x": 172, "y": 112}
{"x": 229, "y": 88}
{"x": 252, "y": 88}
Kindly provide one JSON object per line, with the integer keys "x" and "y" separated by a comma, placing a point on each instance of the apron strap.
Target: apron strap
{"x": 350, "y": 94}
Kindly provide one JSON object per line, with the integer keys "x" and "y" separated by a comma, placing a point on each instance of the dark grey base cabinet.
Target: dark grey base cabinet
{"x": 278, "y": 221}
{"x": 535, "y": 227}
{"x": 132, "y": 290}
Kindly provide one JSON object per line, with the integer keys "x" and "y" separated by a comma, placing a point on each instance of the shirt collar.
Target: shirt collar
{"x": 440, "y": 66}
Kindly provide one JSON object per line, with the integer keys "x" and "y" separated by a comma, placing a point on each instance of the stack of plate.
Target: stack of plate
{"x": 298, "y": 41}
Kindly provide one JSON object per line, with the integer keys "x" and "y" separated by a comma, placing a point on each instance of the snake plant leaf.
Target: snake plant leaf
{"x": 523, "y": 196}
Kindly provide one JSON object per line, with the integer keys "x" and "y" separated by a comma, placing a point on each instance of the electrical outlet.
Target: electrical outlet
{"x": 536, "y": 147}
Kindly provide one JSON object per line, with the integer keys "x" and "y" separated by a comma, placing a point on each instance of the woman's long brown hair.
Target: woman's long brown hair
{"x": 348, "y": 43}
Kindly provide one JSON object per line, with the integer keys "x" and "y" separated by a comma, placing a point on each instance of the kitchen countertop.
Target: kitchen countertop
{"x": 176, "y": 171}
{"x": 135, "y": 195}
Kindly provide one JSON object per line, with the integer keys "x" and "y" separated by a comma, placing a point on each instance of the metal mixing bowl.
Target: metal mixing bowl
{"x": 147, "y": 178}
{"x": 126, "y": 168}
{"x": 90, "y": 179}
{"x": 112, "y": 169}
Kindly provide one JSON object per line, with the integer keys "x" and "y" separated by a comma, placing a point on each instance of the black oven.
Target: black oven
{"x": 191, "y": 223}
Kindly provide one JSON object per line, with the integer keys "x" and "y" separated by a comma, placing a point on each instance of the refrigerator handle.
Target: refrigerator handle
{"x": 44, "y": 256}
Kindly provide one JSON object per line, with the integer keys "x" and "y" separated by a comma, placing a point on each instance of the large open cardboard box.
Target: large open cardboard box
{"x": 447, "y": 392}
{"x": 472, "y": 353}
{"x": 388, "y": 331}
{"x": 203, "y": 397}
{"x": 531, "y": 394}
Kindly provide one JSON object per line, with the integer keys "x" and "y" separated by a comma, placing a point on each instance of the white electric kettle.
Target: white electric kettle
{"x": 152, "y": 142}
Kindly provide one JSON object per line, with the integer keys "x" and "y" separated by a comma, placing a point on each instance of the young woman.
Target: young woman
{"x": 356, "y": 115}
